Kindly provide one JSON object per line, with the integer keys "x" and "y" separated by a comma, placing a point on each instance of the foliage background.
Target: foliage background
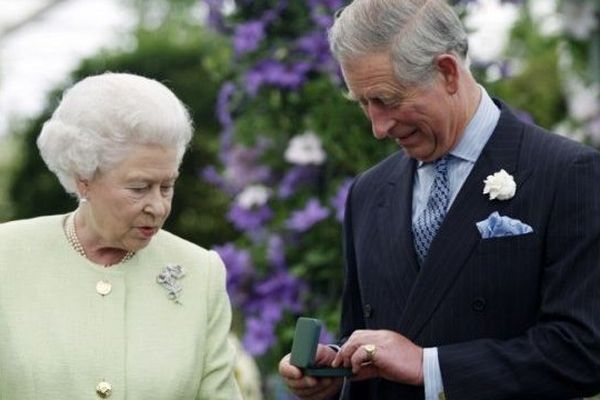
{"x": 277, "y": 143}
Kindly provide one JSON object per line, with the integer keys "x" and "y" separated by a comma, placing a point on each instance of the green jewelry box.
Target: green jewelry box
{"x": 304, "y": 349}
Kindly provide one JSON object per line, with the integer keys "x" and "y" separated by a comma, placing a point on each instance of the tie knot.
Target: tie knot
{"x": 441, "y": 164}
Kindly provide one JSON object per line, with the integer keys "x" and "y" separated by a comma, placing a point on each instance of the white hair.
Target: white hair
{"x": 102, "y": 118}
{"x": 413, "y": 32}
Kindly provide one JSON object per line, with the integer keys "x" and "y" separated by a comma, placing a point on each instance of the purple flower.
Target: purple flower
{"x": 211, "y": 175}
{"x": 331, "y": 5}
{"x": 314, "y": 44}
{"x": 303, "y": 220}
{"x": 242, "y": 167}
{"x": 326, "y": 336}
{"x": 322, "y": 20}
{"x": 280, "y": 290}
{"x": 295, "y": 177}
{"x": 223, "y": 104}
{"x": 276, "y": 251}
{"x": 259, "y": 336}
{"x": 215, "y": 16}
{"x": 275, "y": 73}
{"x": 252, "y": 219}
{"x": 248, "y": 36}
{"x": 338, "y": 202}
{"x": 240, "y": 272}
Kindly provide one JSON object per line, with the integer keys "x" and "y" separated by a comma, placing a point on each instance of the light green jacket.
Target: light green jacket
{"x": 59, "y": 338}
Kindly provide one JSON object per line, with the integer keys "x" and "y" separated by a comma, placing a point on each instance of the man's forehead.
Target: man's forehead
{"x": 378, "y": 81}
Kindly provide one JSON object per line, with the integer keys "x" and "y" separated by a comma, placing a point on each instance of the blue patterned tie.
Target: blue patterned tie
{"x": 428, "y": 223}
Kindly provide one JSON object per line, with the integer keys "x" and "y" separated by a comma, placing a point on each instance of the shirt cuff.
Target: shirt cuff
{"x": 432, "y": 375}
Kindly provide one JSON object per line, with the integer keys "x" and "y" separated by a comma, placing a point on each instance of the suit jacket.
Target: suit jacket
{"x": 513, "y": 317}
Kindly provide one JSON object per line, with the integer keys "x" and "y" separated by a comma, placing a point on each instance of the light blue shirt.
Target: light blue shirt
{"x": 465, "y": 153}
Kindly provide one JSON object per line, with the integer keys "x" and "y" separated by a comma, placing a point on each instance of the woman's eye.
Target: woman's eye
{"x": 166, "y": 189}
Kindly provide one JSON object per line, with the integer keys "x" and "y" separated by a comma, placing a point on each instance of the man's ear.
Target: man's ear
{"x": 449, "y": 69}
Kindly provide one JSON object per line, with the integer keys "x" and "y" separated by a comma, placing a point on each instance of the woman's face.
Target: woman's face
{"x": 127, "y": 205}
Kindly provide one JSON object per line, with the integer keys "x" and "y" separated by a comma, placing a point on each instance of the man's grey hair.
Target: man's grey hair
{"x": 102, "y": 119}
{"x": 414, "y": 32}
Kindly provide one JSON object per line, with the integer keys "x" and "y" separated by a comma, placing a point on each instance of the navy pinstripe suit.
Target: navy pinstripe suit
{"x": 513, "y": 317}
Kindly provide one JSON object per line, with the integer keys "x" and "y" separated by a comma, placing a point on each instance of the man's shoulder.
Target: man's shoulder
{"x": 384, "y": 170}
{"x": 543, "y": 143}
{"x": 539, "y": 141}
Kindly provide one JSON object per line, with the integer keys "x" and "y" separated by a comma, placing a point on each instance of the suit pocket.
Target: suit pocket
{"x": 503, "y": 244}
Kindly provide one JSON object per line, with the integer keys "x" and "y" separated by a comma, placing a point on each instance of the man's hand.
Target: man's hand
{"x": 308, "y": 387}
{"x": 392, "y": 357}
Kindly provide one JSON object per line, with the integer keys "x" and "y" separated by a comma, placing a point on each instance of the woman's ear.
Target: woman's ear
{"x": 82, "y": 187}
{"x": 449, "y": 68}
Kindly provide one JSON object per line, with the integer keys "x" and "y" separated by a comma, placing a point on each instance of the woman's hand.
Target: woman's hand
{"x": 308, "y": 387}
{"x": 388, "y": 355}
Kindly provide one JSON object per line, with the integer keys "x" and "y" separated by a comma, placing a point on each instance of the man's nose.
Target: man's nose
{"x": 381, "y": 122}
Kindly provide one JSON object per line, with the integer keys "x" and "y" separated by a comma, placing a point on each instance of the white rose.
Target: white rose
{"x": 253, "y": 195}
{"x": 305, "y": 149}
{"x": 500, "y": 185}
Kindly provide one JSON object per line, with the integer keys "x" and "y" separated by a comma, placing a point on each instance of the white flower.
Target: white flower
{"x": 305, "y": 149}
{"x": 583, "y": 101}
{"x": 253, "y": 195}
{"x": 579, "y": 19}
{"x": 500, "y": 185}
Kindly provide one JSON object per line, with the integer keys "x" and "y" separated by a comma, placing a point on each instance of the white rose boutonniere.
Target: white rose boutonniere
{"x": 500, "y": 185}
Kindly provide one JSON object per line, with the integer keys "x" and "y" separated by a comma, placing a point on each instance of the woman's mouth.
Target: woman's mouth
{"x": 147, "y": 231}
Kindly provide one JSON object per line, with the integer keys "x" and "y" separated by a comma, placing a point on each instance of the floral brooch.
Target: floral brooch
{"x": 500, "y": 185}
{"x": 168, "y": 279}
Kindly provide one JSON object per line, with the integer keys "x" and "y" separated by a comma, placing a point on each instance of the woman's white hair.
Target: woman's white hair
{"x": 102, "y": 118}
{"x": 414, "y": 32}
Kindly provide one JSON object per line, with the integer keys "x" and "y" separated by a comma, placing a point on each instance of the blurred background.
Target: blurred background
{"x": 265, "y": 180}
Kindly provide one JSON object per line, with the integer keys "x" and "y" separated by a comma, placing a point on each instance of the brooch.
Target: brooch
{"x": 168, "y": 279}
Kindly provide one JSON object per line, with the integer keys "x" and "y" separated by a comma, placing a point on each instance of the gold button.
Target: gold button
{"x": 103, "y": 288}
{"x": 104, "y": 389}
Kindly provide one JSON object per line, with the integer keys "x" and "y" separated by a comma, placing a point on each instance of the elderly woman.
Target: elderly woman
{"x": 101, "y": 302}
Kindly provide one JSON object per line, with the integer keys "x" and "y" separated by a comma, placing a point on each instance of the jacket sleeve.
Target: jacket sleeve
{"x": 558, "y": 357}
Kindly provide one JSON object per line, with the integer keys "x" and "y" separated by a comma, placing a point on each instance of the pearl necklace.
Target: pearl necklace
{"x": 78, "y": 247}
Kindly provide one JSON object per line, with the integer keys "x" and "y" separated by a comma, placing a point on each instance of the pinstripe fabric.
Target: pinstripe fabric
{"x": 512, "y": 318}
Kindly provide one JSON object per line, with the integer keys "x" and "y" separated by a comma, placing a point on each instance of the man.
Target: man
{"x": 449, "y": 291}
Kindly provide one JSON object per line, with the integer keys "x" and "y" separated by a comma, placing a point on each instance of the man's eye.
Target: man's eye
{"x": 138, "y": 189}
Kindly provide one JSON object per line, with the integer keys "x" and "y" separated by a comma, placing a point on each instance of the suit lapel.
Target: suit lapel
{"x": 458, "y": 235}
{"x": 395, "y": 238}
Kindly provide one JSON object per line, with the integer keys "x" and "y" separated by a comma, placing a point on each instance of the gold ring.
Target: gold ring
{"x": 370, "y": 350}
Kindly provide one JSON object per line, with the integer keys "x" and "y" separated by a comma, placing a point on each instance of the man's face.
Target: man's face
{"x": 423, "y": 119}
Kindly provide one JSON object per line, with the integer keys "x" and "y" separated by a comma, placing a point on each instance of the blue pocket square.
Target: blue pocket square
{"x": 497, "y": 225}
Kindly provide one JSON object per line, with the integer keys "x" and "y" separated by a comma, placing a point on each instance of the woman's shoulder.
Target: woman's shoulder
{"x": 31, "y": 227}
{"x": 170, "y": 245}
{"x": 170, "y": 240}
